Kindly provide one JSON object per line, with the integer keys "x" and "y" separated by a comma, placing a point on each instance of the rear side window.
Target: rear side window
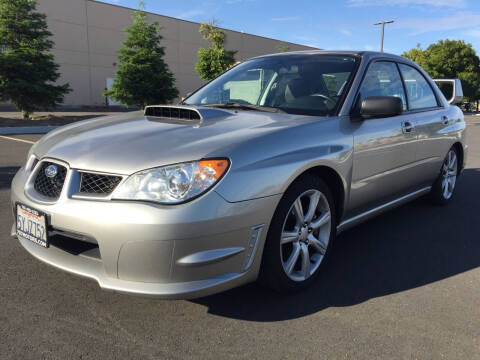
{"x": 419, "y": 92}
{"x": 382, "y": 79}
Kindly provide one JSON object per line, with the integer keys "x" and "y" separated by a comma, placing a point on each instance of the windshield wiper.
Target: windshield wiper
{"x": 240, "y": 106}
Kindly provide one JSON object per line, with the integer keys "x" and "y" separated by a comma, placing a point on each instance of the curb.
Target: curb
{"x": 20, "y": 130}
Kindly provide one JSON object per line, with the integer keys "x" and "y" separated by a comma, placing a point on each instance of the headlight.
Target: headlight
{"x": 173, "y": 184}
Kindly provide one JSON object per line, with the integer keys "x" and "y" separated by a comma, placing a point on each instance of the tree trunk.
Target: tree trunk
{"x": 26, "y": 115}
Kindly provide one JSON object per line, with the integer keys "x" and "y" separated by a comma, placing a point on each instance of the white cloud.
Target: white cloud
{"x": 473, "y": 33}
{"x": 436, "y": 3}
{"x": 346, "y": 32}
{"x": 460, "y": 20}
{"x": 230, "y": 2}
{"x": 369, "y": 47}
{"x": 286, "y": 18}
{"x": 191, "y": 14}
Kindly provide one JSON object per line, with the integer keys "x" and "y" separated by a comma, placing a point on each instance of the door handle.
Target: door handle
{"x": 407, "y": 127}
{"x": 445, "y": 120}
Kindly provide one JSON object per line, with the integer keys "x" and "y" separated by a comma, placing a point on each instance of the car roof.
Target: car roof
{"x": 364, "y": 54}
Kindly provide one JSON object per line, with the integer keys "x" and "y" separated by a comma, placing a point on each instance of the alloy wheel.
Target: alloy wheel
{"x": 449, "y": 174}
{"x": 305, "y": 235}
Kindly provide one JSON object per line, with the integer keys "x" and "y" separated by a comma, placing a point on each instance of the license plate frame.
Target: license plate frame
{"x": 32, "y": 224}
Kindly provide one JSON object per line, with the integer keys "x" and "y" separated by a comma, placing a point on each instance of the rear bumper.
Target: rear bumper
{"x": 191, "y": 250}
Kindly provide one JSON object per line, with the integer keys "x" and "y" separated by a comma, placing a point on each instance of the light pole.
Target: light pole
{"x": 383, "y": 31}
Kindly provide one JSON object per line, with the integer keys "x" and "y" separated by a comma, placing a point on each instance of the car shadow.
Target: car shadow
{"x": 414, "y": 245}
{"x": 6, "y": 176}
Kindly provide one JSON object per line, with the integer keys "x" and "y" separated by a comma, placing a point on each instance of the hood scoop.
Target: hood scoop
{"x": 184, "y": 113}
{"x": 173, "y": 112}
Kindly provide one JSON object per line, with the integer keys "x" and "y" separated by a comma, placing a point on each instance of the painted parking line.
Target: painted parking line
{"x": 25, "y": 130}
{"x": 16, "y": 139}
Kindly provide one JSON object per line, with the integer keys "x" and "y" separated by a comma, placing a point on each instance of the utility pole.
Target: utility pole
{"x": 383, "y": 31}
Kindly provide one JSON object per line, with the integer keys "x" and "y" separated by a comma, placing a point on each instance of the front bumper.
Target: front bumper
{"x": 183, "y": 251}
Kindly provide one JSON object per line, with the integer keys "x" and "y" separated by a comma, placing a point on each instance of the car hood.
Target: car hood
{"x": 130, "y": 142}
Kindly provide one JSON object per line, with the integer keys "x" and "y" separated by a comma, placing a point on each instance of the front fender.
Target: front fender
{"x": 267, "y": 166}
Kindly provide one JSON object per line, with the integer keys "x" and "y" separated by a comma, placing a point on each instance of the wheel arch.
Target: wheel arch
{"x": 334, "y": 182}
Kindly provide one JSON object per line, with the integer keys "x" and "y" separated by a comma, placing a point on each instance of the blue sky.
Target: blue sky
{"x": 335, "y": 24}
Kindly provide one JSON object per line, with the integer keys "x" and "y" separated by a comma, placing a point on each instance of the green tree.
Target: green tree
{"x": 451, "y": 59}
{"x": 28, "y": 71}
{"x": 143, "y": 77}
{"x": 415, "y": 54}
{"x": 214, "y": 60}
{"x": 283, "y": 48}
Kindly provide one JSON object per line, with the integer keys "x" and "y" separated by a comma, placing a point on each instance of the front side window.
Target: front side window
{"x": 419, "y": 92}
{"x": 296, "y": 84}
{"x": 382, "y": 79}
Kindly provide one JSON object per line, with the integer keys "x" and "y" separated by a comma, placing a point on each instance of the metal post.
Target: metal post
{"x": 383, "y": 35}
{"x": 383, "y": 31}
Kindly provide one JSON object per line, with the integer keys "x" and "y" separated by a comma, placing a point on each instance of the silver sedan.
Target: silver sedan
{"x": 251, "y": 177}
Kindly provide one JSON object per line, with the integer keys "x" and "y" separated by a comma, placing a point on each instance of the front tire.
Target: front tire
{"x": 443, "y": 188}
{"x": 300, "y": 236}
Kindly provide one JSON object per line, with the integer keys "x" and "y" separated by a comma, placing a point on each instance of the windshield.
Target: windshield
{"x": 296, "y": 84}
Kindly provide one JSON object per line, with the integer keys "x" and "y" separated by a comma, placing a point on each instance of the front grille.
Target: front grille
{"x": 50, "y": 187}
{"x": 172, "y": 112}
{"x": 98, "y": 184}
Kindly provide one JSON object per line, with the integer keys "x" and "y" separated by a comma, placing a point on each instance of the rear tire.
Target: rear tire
{"x": 300, "y": 236}
{"x": 443, "y": 188}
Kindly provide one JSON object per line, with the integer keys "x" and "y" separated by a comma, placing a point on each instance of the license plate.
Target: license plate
{"x": 32, "y": 225}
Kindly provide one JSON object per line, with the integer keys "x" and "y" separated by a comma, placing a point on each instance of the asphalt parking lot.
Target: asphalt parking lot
{"x": 405, "y": 285}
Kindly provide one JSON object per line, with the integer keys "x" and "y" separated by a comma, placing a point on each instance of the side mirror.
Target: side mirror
{"x": 381, "y": 107}
{"x": 452, "y": 89}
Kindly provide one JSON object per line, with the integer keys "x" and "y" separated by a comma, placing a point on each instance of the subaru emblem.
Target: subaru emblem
{"x": 51, "y": 171}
